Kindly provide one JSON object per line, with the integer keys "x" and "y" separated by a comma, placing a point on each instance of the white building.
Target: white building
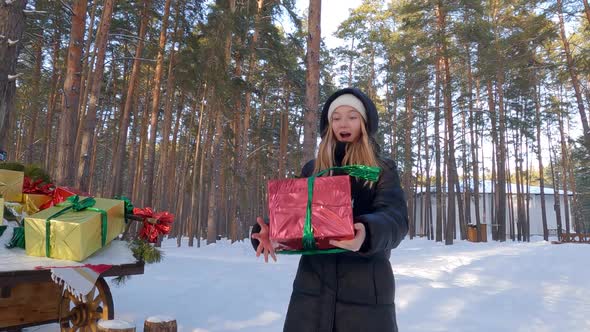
{"x": 486, "y": 201}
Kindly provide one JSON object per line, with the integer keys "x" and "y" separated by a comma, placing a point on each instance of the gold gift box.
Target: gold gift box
{"x": 11, "y": 185}
{"x": 16, "y": 209}
{"x": 33, "y": 202}
{"x": 73, "y": 235}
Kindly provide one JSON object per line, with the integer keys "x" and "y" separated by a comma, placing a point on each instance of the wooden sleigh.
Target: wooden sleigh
{"x": 30, "y": 297}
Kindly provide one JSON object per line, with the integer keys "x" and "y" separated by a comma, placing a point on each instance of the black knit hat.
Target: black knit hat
{"x": 371, "y": 111}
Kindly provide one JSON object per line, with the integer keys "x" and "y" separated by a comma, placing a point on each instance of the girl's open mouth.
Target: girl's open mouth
{"x": 345, "y": 135}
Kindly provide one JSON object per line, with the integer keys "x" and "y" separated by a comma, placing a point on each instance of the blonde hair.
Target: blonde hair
{"x": 360, "y": 152}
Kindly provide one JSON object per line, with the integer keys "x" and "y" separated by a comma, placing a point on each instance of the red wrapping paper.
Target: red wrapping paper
{"x": 331, "y": 219}
{"x": 36, "y": 187}
{"x": 58, "y": 195}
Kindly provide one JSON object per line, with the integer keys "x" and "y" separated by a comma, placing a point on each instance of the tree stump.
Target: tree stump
{"x": 160, "y": 324}
{"x": 115, "y": 325}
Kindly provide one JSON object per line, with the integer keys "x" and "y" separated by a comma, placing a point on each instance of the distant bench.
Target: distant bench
{"x": 575, "y": 238}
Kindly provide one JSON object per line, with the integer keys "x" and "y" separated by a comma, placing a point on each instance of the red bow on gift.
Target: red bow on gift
{"x": 154, "y": 224}
{"x": 35, "y": 187}
{"x": 58, "y": 195}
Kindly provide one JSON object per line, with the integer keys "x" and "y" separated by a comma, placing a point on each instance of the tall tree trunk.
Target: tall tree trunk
{"x": 564, "y": 172}
{"x": 540, "y": 157}
{"x": 64, "y": 169}
{"x": 87, "y": 138}
{"x": 163, "y": 180}
{"x": 394, "y": 126}
{"x": 466, "y": 197}
{"x": 419, "y": 224}
{"x": 587, "y": 10}
{"x": 155, "y": 108}
{"x": 494, "y": 122}
{"x": 173, "y": 155}
{"x": 86, "y": 78}
{"x": 574, "y": 76}
{"x": 196, "y": 183}
{"x": 55, "y": 78}
{"x": 35, "y": 102}
{"x": 312, "y": 80}
{"x": 556, "y": 198}
{"x": 501, "y": 158}
{"x": 474, "y": 146}
{"x": 12, "y": 25}
{"x": 139, "y": 164}
{"x": 284, "y": 136}
{"x": 437, "y": 153}
{"x": 215, "y": 175}
{"x": 102, "y": 119}
{"x": 350, "y": 61}
{"x": 87, "y": 65}
{"x": 427, "y": 211}
{"x": 528, "y": 193}
{"x": 235, "y": 178}
{"x": 242, "y": 168}
{"x": 121, "y": 141}
{"x": 450, "y": 143}
{"x": 517, "y": 178}
{"x": 183, "y": 220}
{"x": 408, "y": 161}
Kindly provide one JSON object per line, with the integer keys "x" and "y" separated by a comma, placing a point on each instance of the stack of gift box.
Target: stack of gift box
{"x": 57, "y": 222}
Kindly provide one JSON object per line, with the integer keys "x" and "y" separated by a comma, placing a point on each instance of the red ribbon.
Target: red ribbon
{"x": 159, "y": 224}
{"x": 58, "y": 195}
{"x": 35, "y": 187}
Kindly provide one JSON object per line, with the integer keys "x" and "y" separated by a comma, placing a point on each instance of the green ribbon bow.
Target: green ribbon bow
{"x": 74, "y": 203}
{"x": 364, "y": 172}
{"x": 128, "y": 205}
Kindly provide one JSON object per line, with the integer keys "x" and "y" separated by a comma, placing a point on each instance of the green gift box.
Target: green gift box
{"x": 74, "y": 229}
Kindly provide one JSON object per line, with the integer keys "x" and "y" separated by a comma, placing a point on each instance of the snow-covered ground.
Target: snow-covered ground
{"x": 534, "y": 286}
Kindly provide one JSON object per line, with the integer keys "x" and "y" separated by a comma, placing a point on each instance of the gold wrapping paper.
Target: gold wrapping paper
{"x": 32, "y": 202}
{"x": 1, "y": 210}
{"x": 73, "y": 235}
{"x": 16, "y": 209}
{"x": 11, "y": 185}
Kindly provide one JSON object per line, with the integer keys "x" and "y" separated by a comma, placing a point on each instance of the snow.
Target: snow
{"x": 159, "y": 319}
{"x": 510, "y": 286}
{"x": 15, "y": 260}
{"x": 115, "y": 324}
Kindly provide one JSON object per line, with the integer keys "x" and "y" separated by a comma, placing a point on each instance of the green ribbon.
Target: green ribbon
{"x": 74, "y": 203}
{"x": 128, "y": 205}
{"x": 364, "y": 172}
{"x": 18, "y": 238}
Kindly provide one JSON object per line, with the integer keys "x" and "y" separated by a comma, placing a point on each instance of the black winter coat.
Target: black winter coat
{"x": 354, "y": 291}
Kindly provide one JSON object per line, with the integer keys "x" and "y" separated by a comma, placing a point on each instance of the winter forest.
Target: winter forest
{"x": 191, "y": 106}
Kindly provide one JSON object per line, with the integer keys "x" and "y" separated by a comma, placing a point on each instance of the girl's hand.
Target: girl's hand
{"x": 354, "y": 244}
{"x": 265, "y": 246}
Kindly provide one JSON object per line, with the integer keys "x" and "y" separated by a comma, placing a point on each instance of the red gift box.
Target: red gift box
{"x": 331, "y": 211}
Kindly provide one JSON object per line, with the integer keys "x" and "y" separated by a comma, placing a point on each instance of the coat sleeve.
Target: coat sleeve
{"x": 307, "y": 169}
{"x": 387, "y": 225}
